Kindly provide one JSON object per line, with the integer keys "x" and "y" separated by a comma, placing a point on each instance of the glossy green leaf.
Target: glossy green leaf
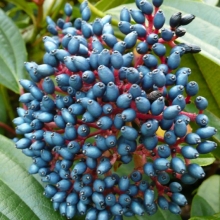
{"x": 204, "y": 159}
{"x": 201, "y": 207}
{"x": 210, "y": 192}
{"x": 213, "y": 217}
{"x": 12, "y": 53}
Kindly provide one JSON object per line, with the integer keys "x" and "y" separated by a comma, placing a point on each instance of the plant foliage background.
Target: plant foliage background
{"x": 22, "y": 26}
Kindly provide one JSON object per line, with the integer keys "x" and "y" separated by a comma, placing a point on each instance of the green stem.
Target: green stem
{"x": 7, "y": 102}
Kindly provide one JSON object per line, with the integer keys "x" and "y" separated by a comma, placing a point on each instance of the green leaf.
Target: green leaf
{"x": 210, "y": 192}
{"x": 213, "y": 217}
{"x": 204, "y": 159}
{"x": 12, "y": 53}
{"x": 200, "y": 207}
{"x": 211, "y": 2}
{"x": 159, "y": 215}
{"x": 28, "y": 7}
{"x": 204, "y": 30}
{"x": 21, "y": 194}
{"x": 105, "y": 5}
{"x": 3, "y": 112}
{"x": 50, "y": 7}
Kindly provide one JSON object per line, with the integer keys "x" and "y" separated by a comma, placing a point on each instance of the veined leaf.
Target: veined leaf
{"x": 12, "y": 53}
{"x": 207, "y": 194}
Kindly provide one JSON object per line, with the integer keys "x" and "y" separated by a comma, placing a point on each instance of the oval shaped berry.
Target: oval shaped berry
{"x": 180, "y": 128}
{"x": 166, "y": 124}
{"x": 186, "y": 19}
{"x": 201, "y": 103}
{"x": 142, "y": 48}
{"x": 105, "y": 74}
{"x": 118, "y": 121}
{"x": 116, "y": 59}
{"x": 137, "y": 208}
{"x": 159, "y": 19}
{"x": 120, "y": 47}
{"x": 179, "y": 100}
{"x": 186, "y": 178}
{"x": 124, "y": 100}
{"x": 163, "y": 178}
{"x": 171, "y": 112}
{"x": 104, "y": 123}
{"x": 177, "y": 165}
{"x": 137, "y": 15}
{"x": 167, "y": 34}
{"x": 196, "y": 170}
{"x": 110, "y": 199}
{"x": 175, "y": 187}
{"x": 192, "y": 88}
{"x": 150, "y": 60}
{"x": 150, "y": 142}
{"x": 140, "y": 29}
{"x": 161, "y": 164}
{"x": 130, "y": 39}
{"x": 189, "y": 152}
{"x": 157, "y": 106}
{"x": 148, "y": 197}
{"x": 125, "y": 15}
{"x": 202, "y": 120}
{"x": 206, "y": 132}
{"x": 103, "y": 167}
{"x": 175, "y": 91}
{"x": 142, "y": 104}
{"x": 112, "y": 92}
{"x": 174, "y": 208}
{"x": 159, "y": 49}
{"x": 163, "y": 203}
{"x": 128, "y": 114}
{"x": 192, "y": 138}
{"x": 124, "y": 27}
{"x": 136, "y": 176}
{"x": 206, "y": 147}
{"x": 149, "y": 127}
{"x": 127, "y": 59}
{"x": 164, "y": 151}
{"x": 146, "y": 7}
{"x": 124, "y": 183}
{"x": 174, "y": 60}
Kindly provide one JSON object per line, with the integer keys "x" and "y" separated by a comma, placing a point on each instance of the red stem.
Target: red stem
{"x": 6, "y": 127}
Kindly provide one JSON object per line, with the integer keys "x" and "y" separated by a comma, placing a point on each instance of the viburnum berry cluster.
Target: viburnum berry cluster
{"x": 98, "y": 102}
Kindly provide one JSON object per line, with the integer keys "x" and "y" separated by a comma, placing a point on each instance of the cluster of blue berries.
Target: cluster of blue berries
{"x": 98, "y": 102}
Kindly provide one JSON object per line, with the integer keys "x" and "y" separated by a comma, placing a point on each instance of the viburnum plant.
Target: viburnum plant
{"x": 98, "y": 102}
